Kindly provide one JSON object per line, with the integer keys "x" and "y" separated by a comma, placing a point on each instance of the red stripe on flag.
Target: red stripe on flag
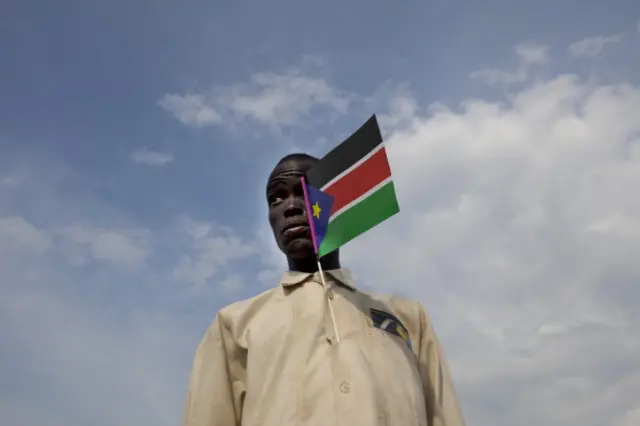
{"x": 359, "y": 180}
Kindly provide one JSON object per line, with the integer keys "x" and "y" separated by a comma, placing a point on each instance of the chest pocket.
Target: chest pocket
{"x": 389, "y": 323}
{"x": 397, "y": 368}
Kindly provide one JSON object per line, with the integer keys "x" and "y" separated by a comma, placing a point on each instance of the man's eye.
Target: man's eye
{"x": 274, "y": 199}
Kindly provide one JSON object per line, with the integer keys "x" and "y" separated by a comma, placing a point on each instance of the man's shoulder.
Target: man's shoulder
{"x": 248, "y": 306}
{"x": 236, "y": 317}
{"x": 398, "y": 302}
{"x": 408, "y": 310}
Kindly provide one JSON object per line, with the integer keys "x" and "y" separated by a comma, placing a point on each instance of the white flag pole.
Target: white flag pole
{"x": 327, "y": 290}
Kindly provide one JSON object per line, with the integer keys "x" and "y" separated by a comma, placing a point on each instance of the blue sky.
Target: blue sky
{"x": 136, "y": 137}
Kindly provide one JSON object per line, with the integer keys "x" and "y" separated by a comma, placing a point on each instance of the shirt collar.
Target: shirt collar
{"x": 342, "y": 276}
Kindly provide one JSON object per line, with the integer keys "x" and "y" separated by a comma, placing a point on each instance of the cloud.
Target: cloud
{"x": 190, "y": 109}
{"x": 10, "y": 181}
{"x": 122, "y": 248}
{"x": 272, "y": 99}
{"x": 232, "y": 284}
{"x": 211, "y": 248}
{"x": 529, "y": 55}
{"x": 17, "y": 234}
{"x": 518, "y": 231}
{"x": 398, "y": 106}
{"x": 79, "y": 341}
{"x": 631, "y": 418}
{"x": 532, "y": 53}
{"x": 150, "y": 158}
{"x": 71, "y": 355}
{"x": 593, "y": 46}
{"x": 127, "y": 370}
{"x": 283, "y": 99}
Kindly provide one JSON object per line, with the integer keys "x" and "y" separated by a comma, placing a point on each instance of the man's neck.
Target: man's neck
{"x": 310, "y": 264}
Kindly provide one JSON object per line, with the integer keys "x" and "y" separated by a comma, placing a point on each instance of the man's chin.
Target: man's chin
{"x": 300, "y": 248}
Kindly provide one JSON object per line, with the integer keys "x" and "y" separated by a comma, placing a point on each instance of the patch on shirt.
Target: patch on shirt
{"x": 389, "y": 323}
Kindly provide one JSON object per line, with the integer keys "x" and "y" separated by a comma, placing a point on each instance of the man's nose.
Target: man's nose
{"x": 295, "y": 207}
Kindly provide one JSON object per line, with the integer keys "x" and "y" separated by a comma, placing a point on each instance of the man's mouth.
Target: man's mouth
{"x": 295, "y": 231}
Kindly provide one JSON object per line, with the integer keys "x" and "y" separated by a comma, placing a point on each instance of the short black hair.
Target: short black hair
{"x": 297, "y": 156}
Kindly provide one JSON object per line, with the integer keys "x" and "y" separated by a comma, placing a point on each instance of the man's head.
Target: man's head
{"x": 287, "y": 210}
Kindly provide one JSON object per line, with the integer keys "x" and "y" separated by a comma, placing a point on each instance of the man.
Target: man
{"x": 275, "y": 359}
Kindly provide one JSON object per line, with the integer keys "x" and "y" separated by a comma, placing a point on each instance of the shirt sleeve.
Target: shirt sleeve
{"x": 217, "y": 384}
{"x": 443, "y": 408}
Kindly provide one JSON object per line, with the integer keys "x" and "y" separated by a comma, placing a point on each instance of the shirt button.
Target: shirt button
{"x": 330, "y": 293}
{"x": 345, "y": 387}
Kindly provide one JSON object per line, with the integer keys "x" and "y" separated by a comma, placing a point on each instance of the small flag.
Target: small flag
{"x": 357, "y": 175}
{"x": 388, "y": 322}
{"x": 318, "y": 210}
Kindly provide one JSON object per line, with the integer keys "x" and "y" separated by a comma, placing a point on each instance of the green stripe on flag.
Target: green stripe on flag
{"x": 361, "y": 217}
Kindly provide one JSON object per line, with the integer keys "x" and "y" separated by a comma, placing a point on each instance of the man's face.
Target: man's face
{"x": 287, "y": 210}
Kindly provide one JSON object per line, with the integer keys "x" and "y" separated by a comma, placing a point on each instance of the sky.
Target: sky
{"x": 135, "y": 142}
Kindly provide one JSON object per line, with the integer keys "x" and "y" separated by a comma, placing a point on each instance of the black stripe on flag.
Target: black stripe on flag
{"x": 349, "y": 152}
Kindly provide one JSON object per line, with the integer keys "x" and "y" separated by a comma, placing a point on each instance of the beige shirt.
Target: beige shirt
{"x": 275, "y": 360}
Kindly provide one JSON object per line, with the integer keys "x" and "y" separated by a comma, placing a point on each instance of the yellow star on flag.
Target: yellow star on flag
{"x": 316, "y": 210}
